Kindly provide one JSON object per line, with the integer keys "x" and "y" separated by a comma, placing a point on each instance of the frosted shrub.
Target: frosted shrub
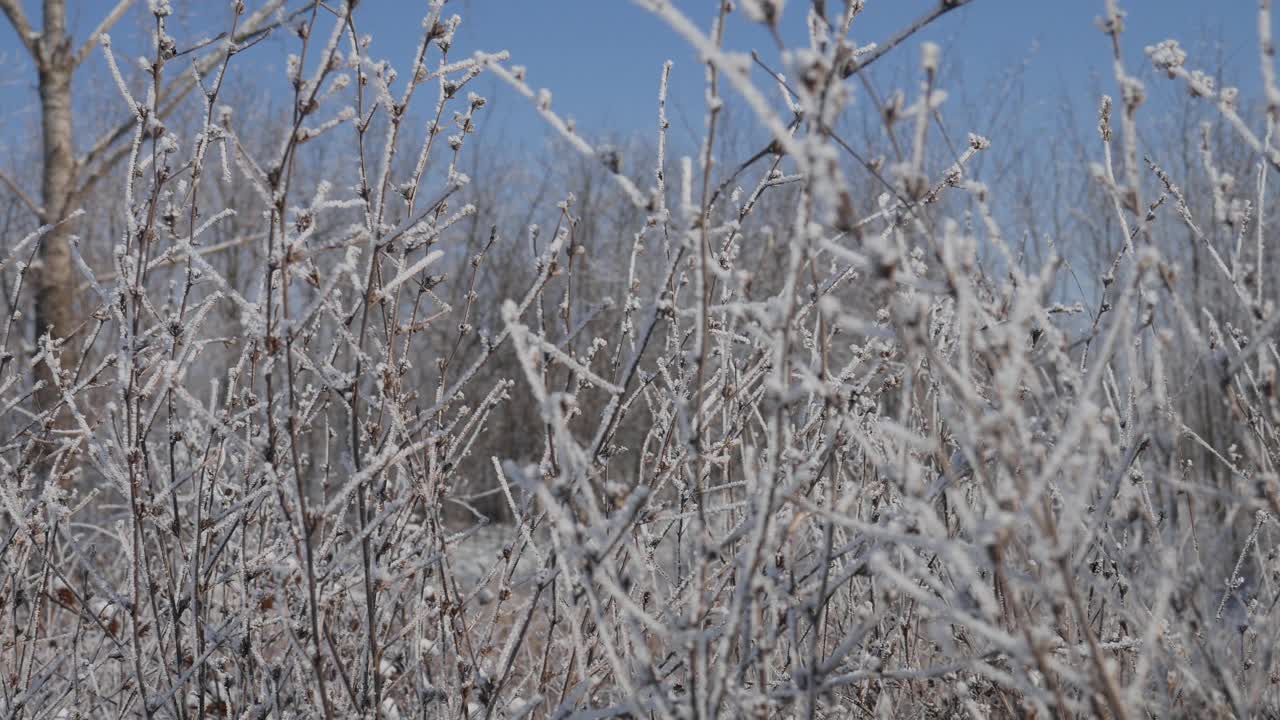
{"x": 892, "y": 476}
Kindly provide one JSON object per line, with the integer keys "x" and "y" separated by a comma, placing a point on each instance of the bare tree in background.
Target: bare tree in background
{"x": 56, "y": 59}
{"x": 65, "y": 175}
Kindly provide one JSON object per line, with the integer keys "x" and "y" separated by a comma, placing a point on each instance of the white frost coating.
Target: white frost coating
{"x": 105, "y": 41}
{"x": 930, "y": 57}
{"x": 686, "y": 186}
{"x": 1166, "y": 55}
{"x": 763, "y": 11}
{"x": 411, "y": 272}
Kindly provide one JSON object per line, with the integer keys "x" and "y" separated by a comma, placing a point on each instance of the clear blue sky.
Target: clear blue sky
{"x": 601, "y": 58}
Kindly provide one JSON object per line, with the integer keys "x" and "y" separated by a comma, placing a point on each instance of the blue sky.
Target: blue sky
{"x": 601, "y": 58}
{"x": 603, "y": 65}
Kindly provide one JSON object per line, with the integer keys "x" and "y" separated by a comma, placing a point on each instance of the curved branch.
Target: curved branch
{"x": 23, "y": 196}
{"x": 13, "y": 10}
{"x": 107, "y": 23}
{"x": 943, "y": 7}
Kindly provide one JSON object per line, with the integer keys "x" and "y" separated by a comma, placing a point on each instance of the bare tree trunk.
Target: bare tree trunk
{"x": 65, "y": 175}
{"x": 54, "y": 286}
